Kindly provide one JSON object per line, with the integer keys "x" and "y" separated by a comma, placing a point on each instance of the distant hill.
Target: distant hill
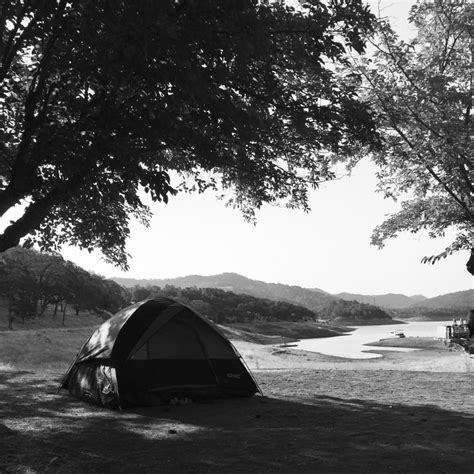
{"x": 440, "y": 308}
{"x": 457, "y": 300}
{"x": 325, "y": 305}
{"x": 390, "y": 300}
{"x": 344, "y": 307}
{"x": 312, "y": 299}
{"x": 420, "y": 308}
{"x": 224, "y": 307}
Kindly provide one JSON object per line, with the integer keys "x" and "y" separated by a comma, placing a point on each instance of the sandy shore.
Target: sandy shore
{"x": 429, "y": 357}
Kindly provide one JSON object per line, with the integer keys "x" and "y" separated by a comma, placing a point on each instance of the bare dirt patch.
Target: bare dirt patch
{"x": 405, "y": 412}
{"x": 309, "y": 421}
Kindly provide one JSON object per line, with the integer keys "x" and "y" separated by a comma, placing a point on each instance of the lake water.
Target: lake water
{"x": 351, "y": 345}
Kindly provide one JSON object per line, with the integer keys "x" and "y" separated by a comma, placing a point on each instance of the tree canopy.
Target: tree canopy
{"x": 100, "y": 101}
{"x": 420, "y": 91}
{"x": 32, "y": 281}
{"x": 224, "y": 306}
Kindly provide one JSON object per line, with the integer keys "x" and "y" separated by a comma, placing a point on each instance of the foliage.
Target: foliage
{"x": 228, "y": 307}
{"x": 420, "y": 91}
{"x": 315, "y": 300}
{"x": 353, "y": 310}
{"x": 457, "y": 300}
{"x": 421, "y": 313}
{"x": 31, "y": 281}
{"x": 100, "y": 101}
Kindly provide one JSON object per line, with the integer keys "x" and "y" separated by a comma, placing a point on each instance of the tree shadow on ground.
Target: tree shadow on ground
{"x": 48, "y": 432}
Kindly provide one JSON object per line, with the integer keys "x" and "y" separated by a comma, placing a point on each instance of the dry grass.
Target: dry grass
{"x": 48, "y": 320}
{"x": 411, "y": 342}
{"x": 291, "y": 330}
{"x": 46, "y": 348}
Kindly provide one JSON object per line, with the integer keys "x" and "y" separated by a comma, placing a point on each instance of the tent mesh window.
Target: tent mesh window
{"x": 175, "y": 340}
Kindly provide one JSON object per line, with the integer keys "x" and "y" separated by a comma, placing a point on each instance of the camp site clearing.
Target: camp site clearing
{"x": 405, "y": 412}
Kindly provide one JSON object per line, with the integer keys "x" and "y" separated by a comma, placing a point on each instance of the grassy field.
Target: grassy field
{"x": 48, "y": 320}
{"x": 45, "y": 348}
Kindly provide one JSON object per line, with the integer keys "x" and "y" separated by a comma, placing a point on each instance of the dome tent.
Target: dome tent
{"x": 153, "y": 351}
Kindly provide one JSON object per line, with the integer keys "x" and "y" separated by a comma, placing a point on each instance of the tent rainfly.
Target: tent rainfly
{"x": 154, "y": 351}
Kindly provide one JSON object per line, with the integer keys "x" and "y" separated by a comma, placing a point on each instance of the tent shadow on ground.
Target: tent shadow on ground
{"x": 58, "y": 433}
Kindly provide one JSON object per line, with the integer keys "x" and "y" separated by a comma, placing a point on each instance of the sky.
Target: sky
{"x": 327, "y": 248}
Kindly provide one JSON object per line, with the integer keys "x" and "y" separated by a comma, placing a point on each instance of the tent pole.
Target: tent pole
{"x": 114, "y": 381}
{"x": 250, "y": 373}
{"x": 63, "y": 379}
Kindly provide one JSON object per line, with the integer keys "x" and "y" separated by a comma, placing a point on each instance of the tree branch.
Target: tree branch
{"x": 429, "y": 168}
{"x": 12, "y": 48}
{"x": 36, "y": 212}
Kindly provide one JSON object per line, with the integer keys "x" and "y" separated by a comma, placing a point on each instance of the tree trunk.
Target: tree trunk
{"x": 64, "y": 313}
{"x": 470, "y": 262}
{"x": 42, "y": 307}
{"x": 35, "y": 213}
{"x": 11, "y": 316}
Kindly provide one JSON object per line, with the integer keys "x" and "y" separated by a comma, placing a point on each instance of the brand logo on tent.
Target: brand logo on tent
{"x": 233, "y": 376}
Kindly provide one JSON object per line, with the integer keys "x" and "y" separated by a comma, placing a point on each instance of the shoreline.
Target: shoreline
{"x": 428, "y": 356}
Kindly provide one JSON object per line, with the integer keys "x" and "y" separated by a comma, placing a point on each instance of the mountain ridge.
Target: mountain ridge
{"x": 459, "y": 299}
{"x": 234, "y": 282}
{"x": 327, "y": 306}
{"x": 387, "y": 300}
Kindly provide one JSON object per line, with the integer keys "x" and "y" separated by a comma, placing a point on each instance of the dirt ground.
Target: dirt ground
{"x": 318, "y": 414}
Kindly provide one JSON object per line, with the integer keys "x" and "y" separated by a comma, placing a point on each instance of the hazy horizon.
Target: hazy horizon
{"x": 327, "y": 248}
{"x": 278, "y": 282}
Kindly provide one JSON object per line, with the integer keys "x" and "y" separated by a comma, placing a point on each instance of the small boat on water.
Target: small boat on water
{"x": 398, "y": 333}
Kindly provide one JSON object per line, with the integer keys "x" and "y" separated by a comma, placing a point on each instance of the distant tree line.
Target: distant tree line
{"x": 226, "y": 307}
{"x": 32, "y": 282}
{"x": 421, "y": 313}
{"x": 353, "y": 310}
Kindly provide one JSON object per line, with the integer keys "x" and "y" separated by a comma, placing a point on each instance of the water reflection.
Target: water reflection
{"x": 351, "y": 346}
